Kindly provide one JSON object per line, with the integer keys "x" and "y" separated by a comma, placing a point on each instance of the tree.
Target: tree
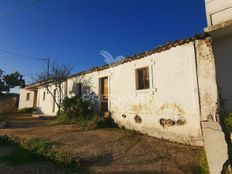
{"x": 57, "y": 74}
{"x": 10, "y": 81}
{"x": 2, "y": 84}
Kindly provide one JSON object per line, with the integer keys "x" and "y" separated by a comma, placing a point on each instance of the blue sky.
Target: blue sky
{"x": 74, "y": 31}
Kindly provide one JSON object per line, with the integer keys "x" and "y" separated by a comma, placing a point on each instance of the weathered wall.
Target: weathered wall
{"x": 8, "y": 103}
{"x": 23, "y": 103}
{"x": 170, "y": 108}
{"x": 218, "y": 11}
{"x": 207, "y": 80}
{"x": 173, "y": 94}
{"x": 222, "y": 48}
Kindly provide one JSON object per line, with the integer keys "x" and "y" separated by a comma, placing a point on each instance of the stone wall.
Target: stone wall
{"x": 8, "y": 103}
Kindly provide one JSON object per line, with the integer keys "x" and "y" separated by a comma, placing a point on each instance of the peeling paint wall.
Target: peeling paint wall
{"x": 207, "y": 80}
{"x": 173, "y": 94}
{"x": 182, "y": 92}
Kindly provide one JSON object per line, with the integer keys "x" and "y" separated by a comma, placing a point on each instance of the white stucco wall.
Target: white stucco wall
{"x": 23, "y": 103}
{"x": 173, "y": 94}
{"x": 45, "y": 106}
{"x": 218, "y": 11}
{"x": 182, "y": 87}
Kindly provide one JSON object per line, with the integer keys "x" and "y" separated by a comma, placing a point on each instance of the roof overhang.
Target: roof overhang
{"x": 220, "y": 30}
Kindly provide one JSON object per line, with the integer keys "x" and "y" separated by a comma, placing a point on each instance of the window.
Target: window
{"x": 44, "y": 95}
{"x": 142, "y": 80}
{"x": 28, "y": 96}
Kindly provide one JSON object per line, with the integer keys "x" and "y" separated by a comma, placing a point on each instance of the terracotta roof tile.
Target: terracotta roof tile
{"x": 158, "y": 49}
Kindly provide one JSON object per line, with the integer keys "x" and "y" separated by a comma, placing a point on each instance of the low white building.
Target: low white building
{"x": 165, "y": 92}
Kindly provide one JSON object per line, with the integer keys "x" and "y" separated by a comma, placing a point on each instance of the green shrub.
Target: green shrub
{"x": 75, "y": 111}
{"x": 37, "y": 149}
{"x": 228, "y": 122}
{"x": 89, "y": 123}
{"x": 27, "y": 110}
{"x": 66, "y": 118}
{"x": 204, "y": 163}
{"x": 46, "y": 149}
{"x": 21, "y": 156}
{"x": 76, "y": 106}
{"x": 98, "y": 122}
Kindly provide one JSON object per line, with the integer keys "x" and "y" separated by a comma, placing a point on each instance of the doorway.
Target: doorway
{"x": 104, "y": 94}
{"x": 54, "y": 102}
{"x": 35, "y": 99}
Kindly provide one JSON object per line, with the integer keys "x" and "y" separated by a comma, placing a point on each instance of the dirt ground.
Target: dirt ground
{"x": 43, "y": 167}
{"x": 108, "y": 151}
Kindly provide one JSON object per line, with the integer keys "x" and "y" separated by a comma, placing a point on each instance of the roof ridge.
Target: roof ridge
{"x": 140, "y": 55}
{"x": 158, "y": 49}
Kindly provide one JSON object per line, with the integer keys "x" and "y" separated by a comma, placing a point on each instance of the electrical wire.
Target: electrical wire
{"x": 22, "y": 56}
{"x": 18, "y": 9}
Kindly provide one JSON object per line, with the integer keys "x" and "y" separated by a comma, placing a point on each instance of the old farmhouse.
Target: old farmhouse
{"x": 165, "y": 92}
{"x": 168, "y": 92}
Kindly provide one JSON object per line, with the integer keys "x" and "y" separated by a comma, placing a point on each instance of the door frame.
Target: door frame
{"x": 100, "y": 92}
{"x": 35, "y": 98}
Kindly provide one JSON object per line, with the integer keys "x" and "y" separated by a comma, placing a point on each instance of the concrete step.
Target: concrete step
{"x": 215, "y": 146}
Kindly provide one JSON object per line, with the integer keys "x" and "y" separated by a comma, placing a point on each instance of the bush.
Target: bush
{"x": 228, "y": 122}
{"x": 98, "y": 122}
{"x": 75, "y": 106}
{"x": 89, "y": 123}
{"x": 27, "y": 110}
{"x": 77, "y": 111}
{"x": 204, "y": 168}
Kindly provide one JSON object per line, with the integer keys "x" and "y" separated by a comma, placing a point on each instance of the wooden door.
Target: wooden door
{"x": 54, "y": 102}
{"x": 104, "y": 94}
{"x": 35, "y": 98}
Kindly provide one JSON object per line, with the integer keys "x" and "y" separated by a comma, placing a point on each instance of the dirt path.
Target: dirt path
{"x": 114, "y": 151}
{"x": 25, "y": 121}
